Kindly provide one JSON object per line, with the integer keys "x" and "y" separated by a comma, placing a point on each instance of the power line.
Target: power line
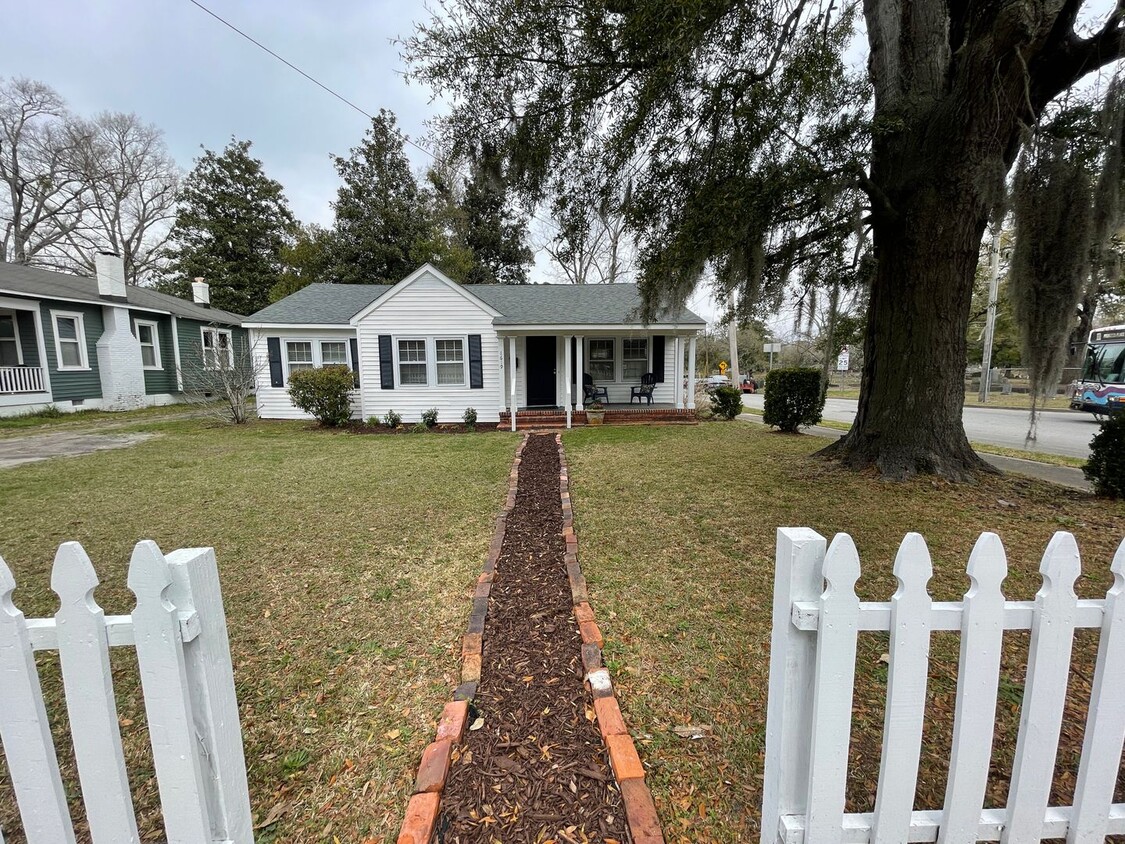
{"x": 338, "y": 96}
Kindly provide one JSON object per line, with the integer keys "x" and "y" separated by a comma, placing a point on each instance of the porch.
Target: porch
{"x": 543, "y": 372}
{"x": 23, "y": 358}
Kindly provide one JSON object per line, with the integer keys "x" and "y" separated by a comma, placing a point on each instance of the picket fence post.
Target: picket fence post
{"x": 90, "y": 702}
{"x": 30, "y": 751}
{"x": 797, "y": 577}
{"x": 196, "y": 592}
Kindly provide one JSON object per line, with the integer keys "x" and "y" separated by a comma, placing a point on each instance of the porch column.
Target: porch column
{"x": 579, "y": 399}
{"x": 512, "y": 374}
{"x": 678, "y": 371}
{"x": 691, "y": 373}
{"x": 566, "y": 375}
{"x": 502, "y": 392}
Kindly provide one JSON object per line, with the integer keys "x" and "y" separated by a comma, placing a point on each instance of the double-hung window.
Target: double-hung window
{"x": 10, "y": 354}
{"x": 299, "y": 355}
{"x": 602, "y": 364}
{"x": 149, "y": 338}
{"x": 450, "y": 357}
{"x": 634, "y": 358}
{"x": 70, "y": 340}
{"x": 334, "y": 353}
{"x": 412, "y": 369}
{"x": 218, "y": 351}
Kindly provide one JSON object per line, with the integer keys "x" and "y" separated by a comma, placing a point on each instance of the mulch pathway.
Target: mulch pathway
{"x": 533, "y": 766}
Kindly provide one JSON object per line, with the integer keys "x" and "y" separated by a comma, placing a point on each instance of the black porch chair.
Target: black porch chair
{"x": 590, "y": 393}
{"x": 644, "y": 391}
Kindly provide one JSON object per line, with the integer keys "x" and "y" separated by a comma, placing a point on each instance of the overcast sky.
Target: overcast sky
{"x": 201, "y": 83}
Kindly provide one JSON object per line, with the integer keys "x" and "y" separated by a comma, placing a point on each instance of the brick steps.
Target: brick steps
{"x": 527, "y": 419}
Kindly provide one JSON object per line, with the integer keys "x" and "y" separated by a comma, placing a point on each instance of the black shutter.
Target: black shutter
{"x": 277, "y": 375}
{"x": 476, "y": 365}
{"x": 354, "y": 343}
{"x": 658, "y": 358}
{"x": 386, "y": 363}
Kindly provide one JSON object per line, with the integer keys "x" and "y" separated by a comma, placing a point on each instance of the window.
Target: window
{"x": 601, "y": 366}
{"x": 412, "y": 362}
{"x": 634, "y": 358}
{"x": 70, "y": 340}
{"x": 450, "y": 356}
{"x": 10, "y": 354}
{"x": 298, "y": 354}
{"x": 149, "y": 338}
{"x": 334, "y": 353}
{"x": 218, "y": 351}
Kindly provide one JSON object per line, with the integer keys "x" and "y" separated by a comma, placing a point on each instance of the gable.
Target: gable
{"x": 428, "y": 278}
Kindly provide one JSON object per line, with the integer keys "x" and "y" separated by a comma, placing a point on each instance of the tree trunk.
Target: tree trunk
{"x": 926, "y": 249}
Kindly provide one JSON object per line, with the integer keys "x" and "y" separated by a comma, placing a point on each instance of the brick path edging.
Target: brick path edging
{"x": 640, "y": 810}
{"x": 422, "y": 811}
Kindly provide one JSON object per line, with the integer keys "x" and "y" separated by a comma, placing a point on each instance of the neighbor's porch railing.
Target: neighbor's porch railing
{"x": 816, "y": 619}
{"x": 179, "y": 632}
{"x": 21, "y": 379}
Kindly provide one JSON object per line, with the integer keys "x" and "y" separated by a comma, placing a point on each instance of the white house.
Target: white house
{"x": 428, "y": 342}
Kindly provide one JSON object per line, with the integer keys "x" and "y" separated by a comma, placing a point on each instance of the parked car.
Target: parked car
{"x": 749, "y": 385}
{"x": 712, "y": 382}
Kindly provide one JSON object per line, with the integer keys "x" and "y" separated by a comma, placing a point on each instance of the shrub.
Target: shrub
{"x": 51, "y": 411}
{"x": 1106, "y": 467}
{"x": 419, "y": 428}
{"x": 323, "y": 393}
{"x": 429, "y": 417}
{"x": 793, "y": 398}
{"x": 726, "y": 402}
{"x": 392, "y": 419}
{"x": 470, "y": 418}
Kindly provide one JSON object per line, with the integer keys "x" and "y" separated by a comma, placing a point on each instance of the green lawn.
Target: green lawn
{"x": 676, "y": 534}
{"x": 348, "y": 561}
{"x": 347, "y": 564}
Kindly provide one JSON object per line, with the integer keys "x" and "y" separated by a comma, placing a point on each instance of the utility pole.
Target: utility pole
{"x": 990, "y": 322}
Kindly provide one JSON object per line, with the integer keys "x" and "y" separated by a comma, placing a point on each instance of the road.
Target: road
{"x": 1060, "y": 432}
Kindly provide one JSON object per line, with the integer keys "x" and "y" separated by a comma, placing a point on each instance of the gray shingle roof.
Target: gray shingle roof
{"x": 519, "y": 304}
{"x": 47, "y": 284}
{"x": 321, "y": 304}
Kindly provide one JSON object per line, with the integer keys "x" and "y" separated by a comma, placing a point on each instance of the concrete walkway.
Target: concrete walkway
{"x": 1060, "y": 475}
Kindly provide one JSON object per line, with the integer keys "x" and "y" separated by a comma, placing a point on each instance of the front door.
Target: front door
{"x": 541, "y": 371}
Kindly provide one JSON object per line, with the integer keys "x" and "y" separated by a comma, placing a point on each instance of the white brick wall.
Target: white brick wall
{"x": 119, "y": 362}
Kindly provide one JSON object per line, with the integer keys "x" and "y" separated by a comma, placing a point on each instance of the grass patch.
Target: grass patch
{"x": 677, "y": 535}
{"x": 347, "y": 563}
{"x": 26, "y": 423}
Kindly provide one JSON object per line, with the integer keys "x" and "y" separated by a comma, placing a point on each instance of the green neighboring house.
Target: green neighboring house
{"x": 78, "y": 343}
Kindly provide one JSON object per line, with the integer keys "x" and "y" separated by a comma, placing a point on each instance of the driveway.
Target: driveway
{"x": 15, "y": 451}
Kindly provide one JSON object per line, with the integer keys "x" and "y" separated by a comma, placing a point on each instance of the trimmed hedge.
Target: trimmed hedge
{"x": 323, "y": 393}
{"x": 1106, "y": 467}
{"x": 793, "y": 398}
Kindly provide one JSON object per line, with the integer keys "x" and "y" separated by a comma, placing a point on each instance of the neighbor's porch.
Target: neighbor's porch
{"x": 24, "y": 379}
{"x": 543, "y": 371}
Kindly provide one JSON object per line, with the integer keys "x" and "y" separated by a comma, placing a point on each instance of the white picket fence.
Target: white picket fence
{"x": 179, "y": 631}
{"x": 816, "y": 618}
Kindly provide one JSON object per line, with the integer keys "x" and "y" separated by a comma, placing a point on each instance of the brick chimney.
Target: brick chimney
{"x": 201, "y": 292}
{"x": 110, "y": 270}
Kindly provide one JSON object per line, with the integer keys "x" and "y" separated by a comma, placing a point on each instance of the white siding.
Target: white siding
{"x": 620, "y": 389}
{"x": 428, "y": 308}
{"x": 274, "y": 402}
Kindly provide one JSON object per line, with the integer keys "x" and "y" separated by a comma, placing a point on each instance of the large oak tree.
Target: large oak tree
{"x": 753, "y": 137}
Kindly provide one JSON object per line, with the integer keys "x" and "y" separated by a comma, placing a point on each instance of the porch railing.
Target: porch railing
{"x": 21, "y": 379}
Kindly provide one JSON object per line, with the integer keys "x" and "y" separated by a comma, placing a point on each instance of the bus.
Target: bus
{"x": 1101, "y": 389}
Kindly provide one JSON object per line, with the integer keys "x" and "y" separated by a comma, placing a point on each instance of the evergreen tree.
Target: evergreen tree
{"x": 383, "y": 225}
{"x": 492, "y": 231}
{"x": 232, "y": 223}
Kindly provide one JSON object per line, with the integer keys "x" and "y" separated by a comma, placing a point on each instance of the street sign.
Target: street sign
{"x": 770, "y": 348}
{"x": 843, "y": 361}
{"x": 722, "y": 367}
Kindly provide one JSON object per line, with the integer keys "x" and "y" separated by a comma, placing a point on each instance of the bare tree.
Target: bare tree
{"x": 221, "y": 378}
{"x": 131, "y": 183}
{"x": 593, "y": 244}
{"x": 42, "y": 188}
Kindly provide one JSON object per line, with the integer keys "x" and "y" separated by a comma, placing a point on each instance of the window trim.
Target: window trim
{"x": 588, "y": 359}
{"x": 80, "y": 330}
{"x": 289, "y": 341}
{"x": 464, "y": 382}
{"x": 203, "y": 331}
{"x": 430, "y": 373}
{"x": 15, "y": 337}
{"x": 155, "y": 326}
{"x": 347, "y": 352}
{"x": 647, "y": 340}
